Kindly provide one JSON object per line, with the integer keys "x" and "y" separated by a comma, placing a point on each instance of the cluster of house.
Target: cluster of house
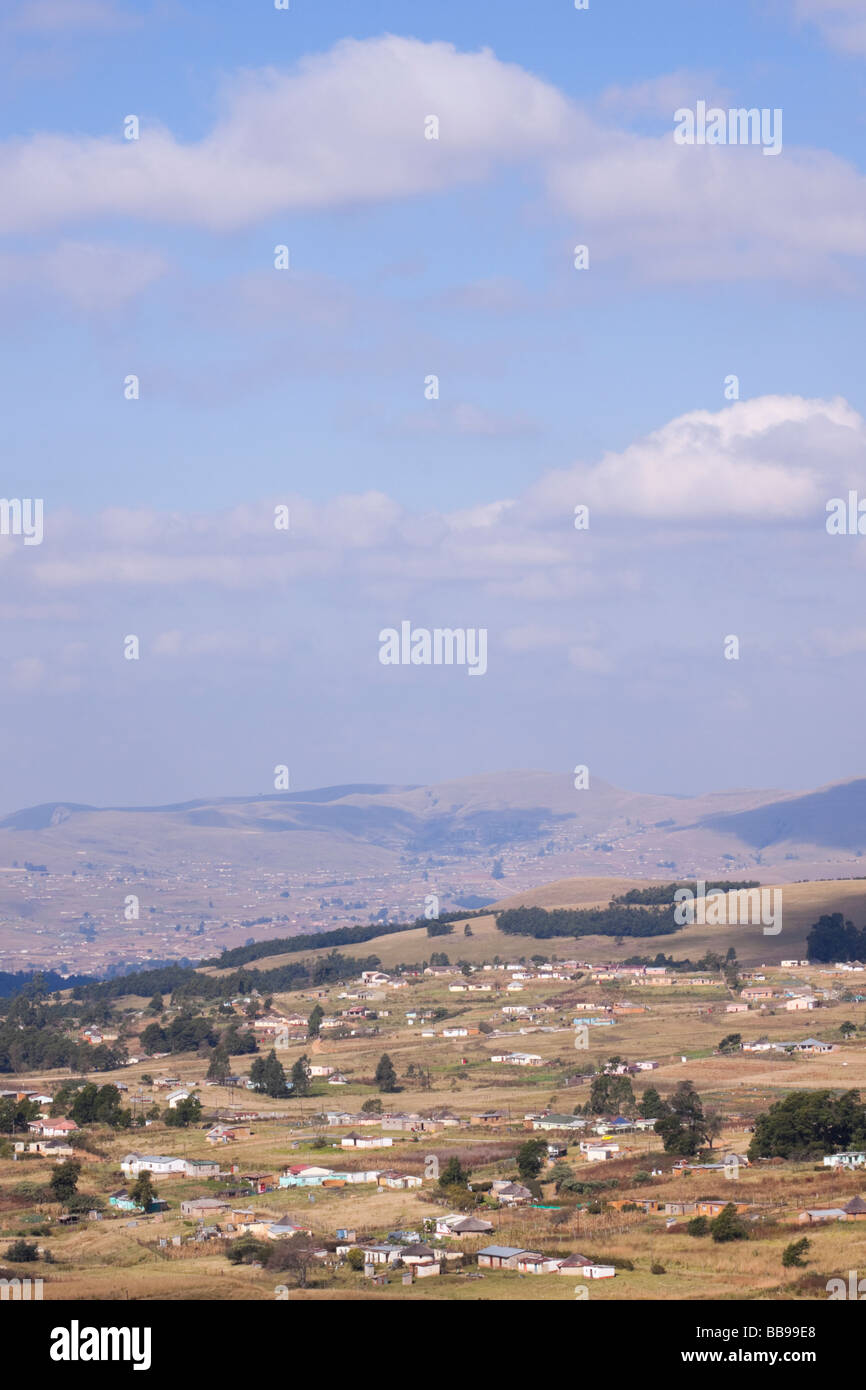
{"x": 794, "y": 1001}
{"x": 812, "y": 1046}
{"x": 531, "y": 1262}
{"x": 855, "y": 1210}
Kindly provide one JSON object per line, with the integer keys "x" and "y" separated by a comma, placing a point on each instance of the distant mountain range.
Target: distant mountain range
{"x": 599, "y": 829}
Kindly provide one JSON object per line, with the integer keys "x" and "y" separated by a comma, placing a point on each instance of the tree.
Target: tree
{"x": 295, "y": 1256}
{"x": 467, "y": 930}
{"x": 610, "y": 1095}
{"x": 372, "y": 1106}
{"x": 713, "y": 1126}
{"x": 300, "y": 1076}
{"x": 185, "y": 1113}
{"x": 683, "y": 1130}
{"x": 355, "y": 1259}
{"x": 530, "y": 1158}
{"x": 831, "y": 938}
{"x": 386, "y": 1076}
{"x": 727, "y": 1225}
{"x": 143, "y": 1192}
{"x": 792, "y": 1255}
{"x": 219, "y": 1066}
{"x": 246, "y": 1250}
{"x": 497, "y": 871}
{"x": 809, "y": 1123}
{"x": 847, "y": 1028}
{"x": 698, "y": 1226}
{"x": 64, "y": 1180}
{"x": 651, "y": 1106}
{"x": 15, "y": 1115}
{"x": 156, "y": 1005}
{"x": 454, "y": 1174}
{"x": 731, "y": 1043}
{"x": 314, "y": 1022}
{"x": 154, "y": 1039}
{"x": 269, "y": 1078}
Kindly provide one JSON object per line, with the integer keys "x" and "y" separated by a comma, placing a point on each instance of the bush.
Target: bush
{"x": 699, "y": 1226}
{"x": 246, "y": 1250}
{"x": 792, "y": 1255}
{"x": 656, "y": 1268}
{"x": 728, "y": 1226}
{"x": 355, "y": 1259}
{"x": 22, "y": 1252}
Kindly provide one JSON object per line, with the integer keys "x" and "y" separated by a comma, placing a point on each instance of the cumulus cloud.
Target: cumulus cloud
{"x": 769, "y": 459}
{"x": 346, "y": 128}
{"x": 774, "y": 460}
{"x": 720, "y": 213}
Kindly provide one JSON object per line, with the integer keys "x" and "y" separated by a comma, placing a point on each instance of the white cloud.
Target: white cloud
{"x": 774, "y": 458}
{"x": 842, "y": 22}
{"x": 346, "y": 128}
{"x": 660, "y": 96}
{"x": 93, "y": 278}
{"x": 719, "y": 213}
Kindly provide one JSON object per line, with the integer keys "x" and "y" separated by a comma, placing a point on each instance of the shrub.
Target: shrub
{"x": 792, "y": 1255}
{"x": 727, "y": 1225}
{"x": 22, "y": 1252}
{"x": 656, "y": 1268}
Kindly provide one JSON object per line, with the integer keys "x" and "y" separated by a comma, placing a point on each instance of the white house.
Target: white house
{"x": 578, "y": 1264}
{"x": 132, "y": 1164}
{"x": 599, "y": 1153}
{"x": 176, "y": 1097}
{"x": 365, "y": 1141}
{"x": 855, "y": 1158}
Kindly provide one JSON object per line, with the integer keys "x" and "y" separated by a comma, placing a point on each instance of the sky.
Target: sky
{"x": 697, "y": 385}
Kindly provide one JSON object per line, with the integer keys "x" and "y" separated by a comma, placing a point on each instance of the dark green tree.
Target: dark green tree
{"x": 386, "y": 1075}
{"x": 792, "y": 1255}
{"x": 143, "y": 1192}
{"x": 454, "y": 1174}
{"x": 727, "y": 1225}
{"x": 269, "y": 1078}
{"x": 530, "y": 1158}
{"x": 64, "y": 1180}
{"x": 185, "y": 1113}
{"x": 301, "y": 1085}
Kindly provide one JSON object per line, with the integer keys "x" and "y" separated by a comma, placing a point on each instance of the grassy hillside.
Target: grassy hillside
{"x": 802, "y": 905}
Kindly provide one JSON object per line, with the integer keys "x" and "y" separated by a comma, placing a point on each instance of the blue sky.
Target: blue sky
{"x": 411, "y": 257}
